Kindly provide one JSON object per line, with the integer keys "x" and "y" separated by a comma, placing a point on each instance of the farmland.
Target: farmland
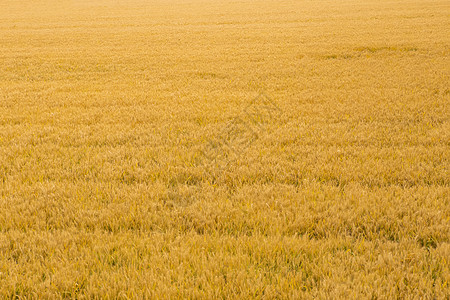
{"x": 225, "y": 149}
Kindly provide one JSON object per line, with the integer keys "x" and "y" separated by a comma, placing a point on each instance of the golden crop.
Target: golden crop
{"x": 134, "y": 164}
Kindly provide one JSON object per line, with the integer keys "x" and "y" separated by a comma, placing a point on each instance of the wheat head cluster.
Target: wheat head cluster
{"x": 206, "y": 149}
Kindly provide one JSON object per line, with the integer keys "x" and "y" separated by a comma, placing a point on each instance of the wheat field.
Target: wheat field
{"x": 208, "y": 149}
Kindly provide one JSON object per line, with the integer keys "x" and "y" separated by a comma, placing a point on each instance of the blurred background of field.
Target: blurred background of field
{"x": 105, "y": 105}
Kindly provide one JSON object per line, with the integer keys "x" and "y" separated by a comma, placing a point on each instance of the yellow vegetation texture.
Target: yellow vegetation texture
{"x": 133, "y": 164}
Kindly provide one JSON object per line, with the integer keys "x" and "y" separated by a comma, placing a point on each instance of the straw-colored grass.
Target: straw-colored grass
{"x": 133, "y": 162}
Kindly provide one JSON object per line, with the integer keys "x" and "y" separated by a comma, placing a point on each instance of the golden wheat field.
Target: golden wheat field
{"x": 208, "y": 149}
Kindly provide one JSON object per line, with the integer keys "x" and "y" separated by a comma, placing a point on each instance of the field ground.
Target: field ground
{"x": 107, "y": 110}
